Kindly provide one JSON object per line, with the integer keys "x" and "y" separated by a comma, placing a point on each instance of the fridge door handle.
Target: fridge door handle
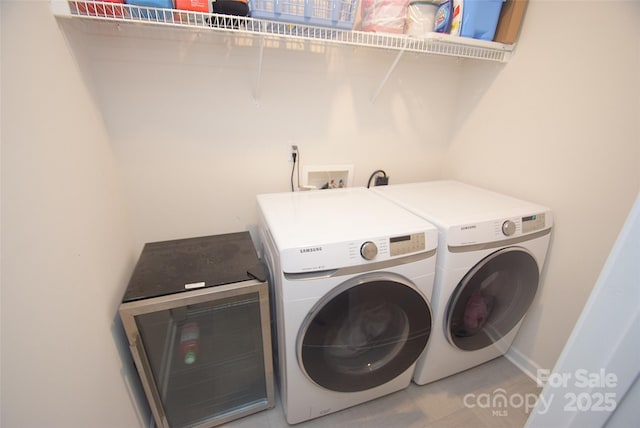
{"x": 146, "y": 376}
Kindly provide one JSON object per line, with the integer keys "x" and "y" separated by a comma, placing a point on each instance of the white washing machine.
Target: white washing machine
{"x": 352, "y": 274}
{"x": 490, "y": 256}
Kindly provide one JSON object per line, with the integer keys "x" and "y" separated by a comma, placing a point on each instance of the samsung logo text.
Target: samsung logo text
{"x": 310, "y": 250}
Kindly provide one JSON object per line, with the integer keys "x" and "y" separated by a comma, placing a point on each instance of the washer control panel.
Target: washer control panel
{"x": 406, "y": 244}
{"x": 335, "y": 255}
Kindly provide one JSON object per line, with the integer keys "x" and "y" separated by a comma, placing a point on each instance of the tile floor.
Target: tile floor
{"x": 439, "y": 404}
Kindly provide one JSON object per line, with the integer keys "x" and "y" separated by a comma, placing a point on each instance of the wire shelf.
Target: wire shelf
{"x": 433, "y": 43}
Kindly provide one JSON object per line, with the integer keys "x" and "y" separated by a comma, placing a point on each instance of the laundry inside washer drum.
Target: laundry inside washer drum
{"x": 361, "y": 340}
{"x": 491, "y": 299}
{"x": 367, "y": 338}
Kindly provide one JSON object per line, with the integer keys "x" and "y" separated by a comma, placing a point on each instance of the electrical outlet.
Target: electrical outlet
{"x": 293, "y": 150}
{"x": 382, "y": 181}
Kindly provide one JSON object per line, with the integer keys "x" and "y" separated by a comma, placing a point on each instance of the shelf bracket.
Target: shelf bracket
{"x": 256, "y": 90}
{"x": 386, "y": 76}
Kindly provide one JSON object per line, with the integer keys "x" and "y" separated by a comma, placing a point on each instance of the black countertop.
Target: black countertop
{"x": 166, "y": 267}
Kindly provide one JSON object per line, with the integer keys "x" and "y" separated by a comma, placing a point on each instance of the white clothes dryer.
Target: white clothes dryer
{"x": 491, "y": 252}
{"x": 351, "y": 275}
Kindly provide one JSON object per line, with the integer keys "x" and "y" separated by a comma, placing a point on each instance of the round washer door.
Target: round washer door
{"x": 366, "y": 332}
{"x": 491, "y": 299}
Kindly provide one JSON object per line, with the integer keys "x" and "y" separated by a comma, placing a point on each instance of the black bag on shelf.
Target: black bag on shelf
{"x": 228, "y": 7}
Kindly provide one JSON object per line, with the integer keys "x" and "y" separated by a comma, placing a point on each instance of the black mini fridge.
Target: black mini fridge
{"x": 196, "y": 315}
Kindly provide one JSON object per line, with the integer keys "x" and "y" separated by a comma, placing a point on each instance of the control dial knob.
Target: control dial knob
{"x": 368, "y": 250}
{"x": 508, "y": 228}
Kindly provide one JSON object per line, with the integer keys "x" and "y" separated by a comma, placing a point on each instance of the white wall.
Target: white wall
{"x": 195, "y": 148}
{"x": 111, "y": 141}
{"x": 560, "y": 125}
{"x": 605, "y": 344}
{"x": 67, "y": 250}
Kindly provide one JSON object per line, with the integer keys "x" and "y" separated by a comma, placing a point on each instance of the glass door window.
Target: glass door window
{"x": 207, "y": 358}
{"x": 366, "y": 333}
{"x": 491, "y": 299}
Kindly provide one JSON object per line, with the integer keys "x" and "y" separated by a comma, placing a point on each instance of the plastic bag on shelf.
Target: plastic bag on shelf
{"x": 386, "y": 16}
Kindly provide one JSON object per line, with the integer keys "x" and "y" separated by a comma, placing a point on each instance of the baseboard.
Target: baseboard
{"x": 524, "y": 363}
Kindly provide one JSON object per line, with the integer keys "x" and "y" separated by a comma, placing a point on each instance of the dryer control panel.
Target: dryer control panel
{"x": 520, "y": 225}
{"x": 499, "y": 229}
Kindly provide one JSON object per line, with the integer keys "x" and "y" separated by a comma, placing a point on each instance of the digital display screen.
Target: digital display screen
{"x": 406, "y": 244}
{"x": 533, "y": 223}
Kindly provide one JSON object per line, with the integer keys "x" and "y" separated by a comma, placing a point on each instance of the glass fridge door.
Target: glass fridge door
{"x": 209, "y": 357}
